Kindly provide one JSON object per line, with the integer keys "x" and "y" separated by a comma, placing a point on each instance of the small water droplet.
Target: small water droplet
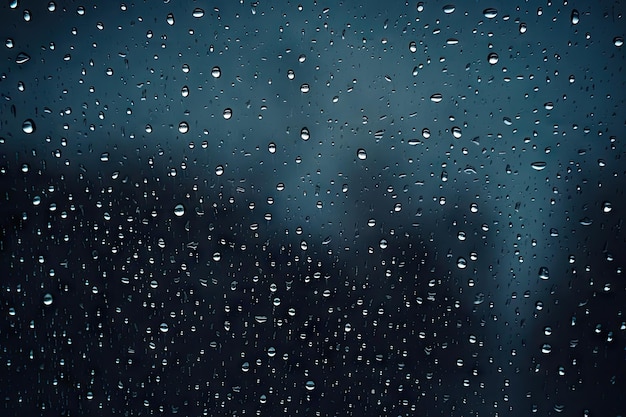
{"x": 228, "y": 113}
{"x": 618, "y": 41}
{"x": 310, "y": 385}
{"x": 170, "y": 19}
{"x": 575, "y": 17}
{"x": 413, "y": 47}
{"x": 219, "y": 170}
{"x": 183, "y": 127}
{"x": 163, "y": 328}
{"x": 216, "y": 72}
{"x": 449, "y": 8}
{"x": 361, "y": 154}
{"x": 493, "y": 58}
{"x": 544, "y": 273}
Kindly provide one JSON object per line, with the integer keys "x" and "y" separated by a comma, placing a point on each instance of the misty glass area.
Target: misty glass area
{"x": 236, "y": 208}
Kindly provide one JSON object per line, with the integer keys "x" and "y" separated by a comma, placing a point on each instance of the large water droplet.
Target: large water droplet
{"x": 170, "y": 19}
{"x": 544, "y": 273}
{"x": 493, "y": 58}
{"x": 538, "y": 165}
{"x": 490, "y": 13}
{"x": 228, "y": 113}
{"x": 179, "y": 210}
{"x": 22, "y": 58}
{"x": 436, "y": 98}
{"x": 216, "y": 72}
{"x": 305, "y": 134}
{"x": 575, "y": 17}
{"x": 449, "y": 8}
{"x": 28, "y": 126}
{"x": 361, "y": 154}
{"x": 183, "y": 127}
{"x": 47, "y": 299}
{"x": 197, "y": 13}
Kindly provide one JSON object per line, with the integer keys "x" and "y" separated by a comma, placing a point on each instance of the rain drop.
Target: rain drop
{"x": 28, "y": 126}
{"x": 361, "y": 154}
{"x": 179, "y": 210}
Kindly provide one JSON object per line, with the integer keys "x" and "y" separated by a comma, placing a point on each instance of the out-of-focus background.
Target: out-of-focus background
{"x": 315, "y": 208}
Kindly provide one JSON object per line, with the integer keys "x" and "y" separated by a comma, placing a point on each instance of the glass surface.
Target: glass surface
{"x": 315, "y": 209}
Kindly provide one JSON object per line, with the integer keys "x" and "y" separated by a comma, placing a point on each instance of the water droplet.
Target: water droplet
{"x": 184, "y": 91}
{"x": 179, "y": 210}
{"x": 310, "y": 385}
{"x": 449, "y": 8}
{"x": 575, "y": 17}
{"x": 28, "y": 126}
{"x": 228, "y": 113}
{"x": 47, "y": 299}
{"x": 523, "y": 28}
{"x": 413, "y": 47}
{"x": 183, "y": 127}
{"x": 216, "y": 72}
{"x": 546, "y": 348}
{"x": 618, "y": 41}
{"x": 271, "y": 147}
{"x": 304, "y": 134}
{"x": 425, "y": 133}
{"x": 305, "y": 88}
{"x": 493, "y": 58}
{"x": 461, "y": 263}
{"x": 538, "y": 165}
{"x": 420, "y": 6}
{"x": 170, "y": 19}
{"x": 490, "y": 13}
{"x": 607, "y": 207}
{"x": 456, "y": 132}
{"x": 163, "y": 328}
{"x": 22, "y": 57}
{"x": 361, "y": 154}
{"x": 197, "y": 13}
{"x": 436, "y": 98}
{"x": 544, "y": 273}
{"x": 383, "y": 244}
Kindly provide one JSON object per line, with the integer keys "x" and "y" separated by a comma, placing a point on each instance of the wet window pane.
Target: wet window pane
{"x": 324, "y": 208}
